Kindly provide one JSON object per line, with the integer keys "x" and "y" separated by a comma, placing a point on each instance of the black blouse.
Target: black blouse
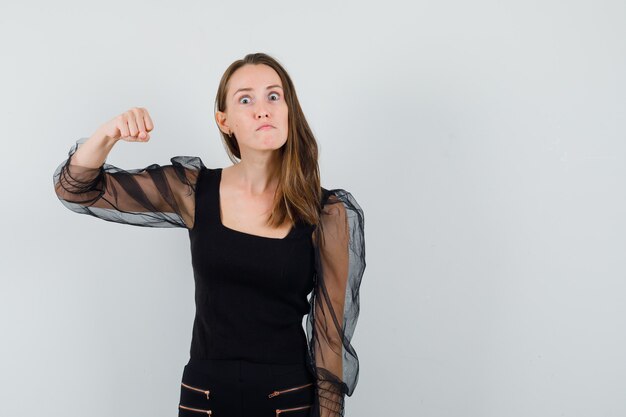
{"x": 251, "y": 291}
{"x": 268, "y": 279}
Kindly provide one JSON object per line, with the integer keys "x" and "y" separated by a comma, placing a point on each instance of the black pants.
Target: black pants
{"x": 238, "y": 388}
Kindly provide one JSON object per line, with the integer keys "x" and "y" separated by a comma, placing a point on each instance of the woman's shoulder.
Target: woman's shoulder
{"x": 190, "y": 162}
{"x": 336, "y": 195}
{"x": 194, "y": 163}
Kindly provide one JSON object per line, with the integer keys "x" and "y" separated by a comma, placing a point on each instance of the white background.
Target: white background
{"x": 484, "y": 140}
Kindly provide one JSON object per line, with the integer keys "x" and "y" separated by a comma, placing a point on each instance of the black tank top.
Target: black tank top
{"x": 250, "y": 291}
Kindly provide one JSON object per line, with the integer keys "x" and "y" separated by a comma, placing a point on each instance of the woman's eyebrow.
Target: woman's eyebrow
{"x": 250, "y": 89}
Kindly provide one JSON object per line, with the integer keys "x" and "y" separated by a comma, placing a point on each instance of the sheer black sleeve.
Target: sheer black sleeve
{"x": 154, "y": 196}
{"x": 334, "y": 304}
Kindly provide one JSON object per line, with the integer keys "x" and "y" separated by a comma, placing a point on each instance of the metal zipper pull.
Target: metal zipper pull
{"x": 275, "y": 393}
{"x": 206, "y": 391}
{"x": 278, "y": 410}
{"x": 200, "y": 410}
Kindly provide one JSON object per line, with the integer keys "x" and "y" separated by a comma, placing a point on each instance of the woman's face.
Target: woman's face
{"x": 255, "y": 98}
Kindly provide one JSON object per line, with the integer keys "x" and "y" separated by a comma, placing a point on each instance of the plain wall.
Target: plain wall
{"x": 485, "y": 142}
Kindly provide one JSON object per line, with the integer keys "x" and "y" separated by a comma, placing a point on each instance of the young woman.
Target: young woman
{"x": 264, "y": 235}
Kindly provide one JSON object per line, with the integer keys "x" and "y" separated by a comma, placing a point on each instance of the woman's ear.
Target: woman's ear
{"x": 220, "y": 118}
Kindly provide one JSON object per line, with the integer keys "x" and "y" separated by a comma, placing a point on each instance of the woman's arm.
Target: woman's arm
{"x": 339, "y": 265}
{"x": 154, "y": 196}
{"x": 94, "y": 151}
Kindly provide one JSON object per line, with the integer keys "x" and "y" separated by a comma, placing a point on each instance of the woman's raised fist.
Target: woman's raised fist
{"x": 133, "y": 125}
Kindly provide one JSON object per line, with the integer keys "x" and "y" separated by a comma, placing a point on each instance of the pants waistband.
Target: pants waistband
{"x": 243, "y": 369}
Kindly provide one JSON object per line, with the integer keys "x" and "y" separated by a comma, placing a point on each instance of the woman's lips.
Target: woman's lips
{"x": 266, "y": 128}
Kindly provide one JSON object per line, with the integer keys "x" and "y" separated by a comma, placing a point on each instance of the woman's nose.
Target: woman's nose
{"x": 260, "y": 111}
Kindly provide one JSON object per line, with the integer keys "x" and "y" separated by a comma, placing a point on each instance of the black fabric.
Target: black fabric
{"x": 250, "y": 290}
{"x": 239, "y": 388}
{"x": 154, "y": 196}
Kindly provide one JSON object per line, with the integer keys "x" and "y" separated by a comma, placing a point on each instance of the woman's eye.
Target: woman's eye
{"x": 247, "y": 98}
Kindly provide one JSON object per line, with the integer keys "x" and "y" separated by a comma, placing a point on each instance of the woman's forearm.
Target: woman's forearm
{"x": 94, "y": 151}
